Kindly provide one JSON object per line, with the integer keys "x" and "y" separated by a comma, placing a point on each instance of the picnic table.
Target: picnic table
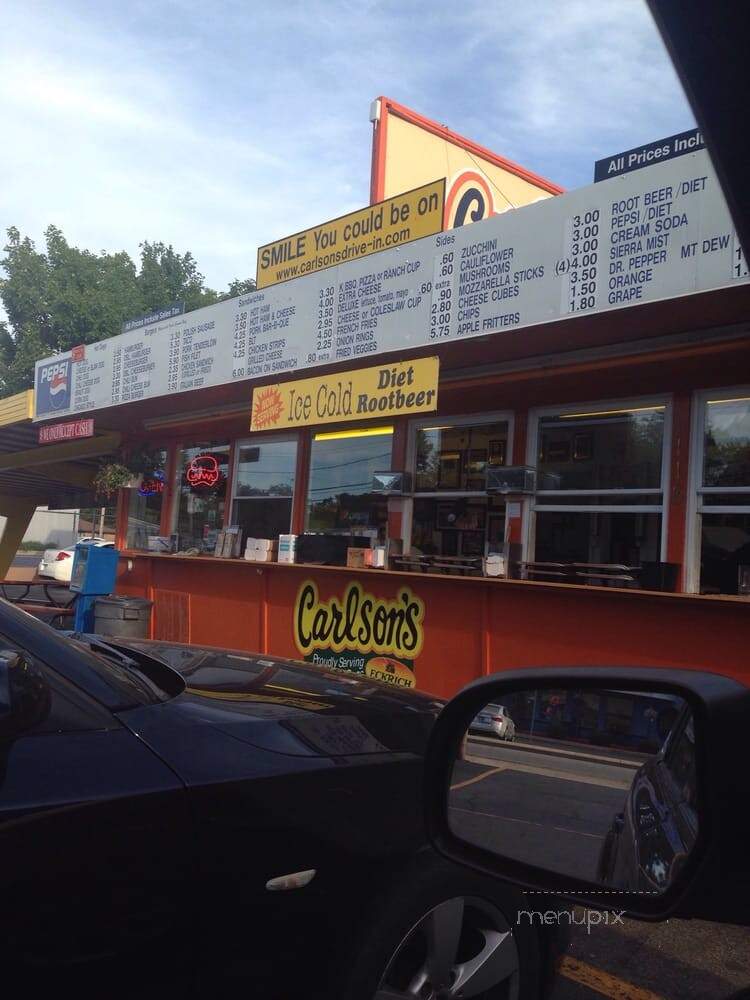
{"x": 56, "y": 608}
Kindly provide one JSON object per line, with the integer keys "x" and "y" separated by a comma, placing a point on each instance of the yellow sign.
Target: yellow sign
{"x": 409, "y": 148}
{"x": 383, "y": 391}
{"x": 400, "y": 219}
{"x": 359, "y": 632}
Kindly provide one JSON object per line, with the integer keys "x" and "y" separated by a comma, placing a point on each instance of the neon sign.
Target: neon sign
{"x": 203, "y": 472}
{"x": 152, "y": 485}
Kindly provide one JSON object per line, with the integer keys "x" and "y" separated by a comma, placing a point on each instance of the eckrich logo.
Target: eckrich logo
{"x": 53, "y": 386}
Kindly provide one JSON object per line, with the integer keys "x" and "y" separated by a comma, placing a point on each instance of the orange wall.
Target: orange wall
{"x": 472, "y": 626}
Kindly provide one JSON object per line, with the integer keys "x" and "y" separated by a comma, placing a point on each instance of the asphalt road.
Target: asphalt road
{"x": 539, "y": 806}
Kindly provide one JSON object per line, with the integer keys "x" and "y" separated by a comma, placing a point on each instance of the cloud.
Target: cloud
{"x": 221, "y": 127}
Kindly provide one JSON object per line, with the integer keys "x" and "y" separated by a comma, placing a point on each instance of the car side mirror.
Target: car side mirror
{"x": 608, "y": 787}
{"x": 24, "y": 694}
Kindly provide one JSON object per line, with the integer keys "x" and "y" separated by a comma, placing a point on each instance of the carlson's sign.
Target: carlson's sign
{"x": 375, "y": 636}
{"x": 68, "y": 431}
{"x": 407, "y": 217}
{"x": 383, "y": 391}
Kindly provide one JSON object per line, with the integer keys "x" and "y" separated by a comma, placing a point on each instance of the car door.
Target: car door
{"x": 94, "y": 832}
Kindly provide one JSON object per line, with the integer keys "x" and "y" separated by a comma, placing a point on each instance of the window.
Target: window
{"x": 145, "y": 505}
{"x": 454, "y": 457}
{"x": 452, "y": 515}
{"x": 340, "y": 498}
{"x": 264, "y": 486}
{"x": 201, "y": 490}
{"x": 722, "y": 451}
{"x": 601, "y": 485}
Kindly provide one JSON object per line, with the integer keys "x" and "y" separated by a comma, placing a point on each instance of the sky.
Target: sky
{"x": 220, "y": 126}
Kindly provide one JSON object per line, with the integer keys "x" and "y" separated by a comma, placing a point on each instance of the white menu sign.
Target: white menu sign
{"x": 661, "y": 232}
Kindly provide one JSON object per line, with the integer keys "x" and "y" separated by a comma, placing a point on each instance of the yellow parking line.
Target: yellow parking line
{"x": 603, "y": 982}
{"x": 479, "y": 777}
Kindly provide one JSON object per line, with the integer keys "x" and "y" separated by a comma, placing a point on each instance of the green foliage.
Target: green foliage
{"x": 110, "y": 478}
{"x": 66, "y": 296}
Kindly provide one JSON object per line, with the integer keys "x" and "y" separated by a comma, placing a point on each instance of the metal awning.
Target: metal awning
{"x": 58, "y": 475}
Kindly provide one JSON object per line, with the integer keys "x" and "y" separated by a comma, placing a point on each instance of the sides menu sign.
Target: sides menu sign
{"x": 656, "y": 233}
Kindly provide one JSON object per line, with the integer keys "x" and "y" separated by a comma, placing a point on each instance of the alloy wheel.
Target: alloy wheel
{"x": 462, "y": 948}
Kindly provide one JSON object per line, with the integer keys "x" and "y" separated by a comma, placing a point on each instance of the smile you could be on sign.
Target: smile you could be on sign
{"x": 382, "y": 391}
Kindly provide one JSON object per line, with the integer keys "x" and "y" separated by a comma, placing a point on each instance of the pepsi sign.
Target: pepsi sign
{"x": 53, "y": 385}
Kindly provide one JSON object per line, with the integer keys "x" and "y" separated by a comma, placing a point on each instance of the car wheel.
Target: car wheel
{"x": 443, "y": 932}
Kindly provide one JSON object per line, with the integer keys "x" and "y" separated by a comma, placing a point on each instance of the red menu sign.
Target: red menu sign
{"x": 69, "y": 431}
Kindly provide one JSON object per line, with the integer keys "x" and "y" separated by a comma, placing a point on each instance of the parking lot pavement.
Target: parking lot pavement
{"x": 670, "y": 961}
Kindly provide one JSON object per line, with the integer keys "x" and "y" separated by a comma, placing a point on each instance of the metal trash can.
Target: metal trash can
{"x": 125, "y": 616}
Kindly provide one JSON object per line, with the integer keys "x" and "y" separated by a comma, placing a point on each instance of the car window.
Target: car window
{"x": 680, "y": 763}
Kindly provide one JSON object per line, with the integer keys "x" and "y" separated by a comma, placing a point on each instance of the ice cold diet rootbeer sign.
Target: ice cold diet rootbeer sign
{"x": 655, "y": 233}
{"x": 383, "y": 391}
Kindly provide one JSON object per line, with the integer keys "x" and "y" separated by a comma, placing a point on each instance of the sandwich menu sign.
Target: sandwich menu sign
{"x": 651, "y": 234}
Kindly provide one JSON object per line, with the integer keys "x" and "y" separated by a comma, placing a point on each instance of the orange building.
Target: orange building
{"x": 576, "y": 490}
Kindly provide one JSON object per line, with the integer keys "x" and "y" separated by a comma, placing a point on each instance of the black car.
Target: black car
{"x": 175, "y": 818}
{"x": 657, "y": 830}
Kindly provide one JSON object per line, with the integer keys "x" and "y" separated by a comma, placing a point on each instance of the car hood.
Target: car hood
{"x": 290, "y": 707}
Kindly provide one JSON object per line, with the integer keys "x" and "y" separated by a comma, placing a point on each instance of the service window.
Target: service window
{"x": 600, "y": 496}
{"x": 722, "y": 452}
{"x": 201, "y": 491}
{"x": 342, "y": 465}
{"x": 264, "y": 486}
{"x": 452, "y": 514}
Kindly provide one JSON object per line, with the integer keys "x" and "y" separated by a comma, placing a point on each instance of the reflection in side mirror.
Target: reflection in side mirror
{"x": 595, "y": 785}
{"x": 24, "y": 695}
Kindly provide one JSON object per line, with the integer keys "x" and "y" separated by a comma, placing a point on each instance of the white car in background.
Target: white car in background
{"x": 58, "y": 563}
{"x": 495, "y": 721}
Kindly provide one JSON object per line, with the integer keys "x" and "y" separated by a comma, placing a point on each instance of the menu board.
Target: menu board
{"x": 661, "y": 232}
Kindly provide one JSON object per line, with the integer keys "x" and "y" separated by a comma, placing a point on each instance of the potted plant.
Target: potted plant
{"x": 113, "y": 476}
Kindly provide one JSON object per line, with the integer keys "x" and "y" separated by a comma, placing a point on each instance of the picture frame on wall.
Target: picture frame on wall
{"x": 496, "y": 452}
{"x": 449, "y": 470}
{"x": 556, "y": 451}
{"x": 583, "y": 447}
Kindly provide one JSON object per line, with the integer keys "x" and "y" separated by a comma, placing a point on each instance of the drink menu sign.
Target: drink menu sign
{"x": 661, "y": 232}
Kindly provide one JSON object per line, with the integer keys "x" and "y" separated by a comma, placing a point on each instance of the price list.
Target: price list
{"x": 655, "y": 234}
{"x": 173, "y": 360}
{"x": 117, "y": 375}
{"x": 580, "y": 263}
{"x": 324, "y": 322}
{"x": 739, "y": 261}
{"x": 441, "y": 308}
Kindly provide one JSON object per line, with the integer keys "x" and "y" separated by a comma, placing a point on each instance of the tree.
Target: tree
{"x": 66, "y": 296}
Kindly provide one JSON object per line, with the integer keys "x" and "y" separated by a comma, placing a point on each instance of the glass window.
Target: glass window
{"x": 585, "y": 537}
{"x": 600, "y": 498}
{"x": 618, "y": 450}
{"x": 264, "y": 487}
{"x": 201, "y": 487}
{"x": 724, "y": 498}
{"x": 342, "y": 464}
{"x": 727, "y": 443}
{"x": 455, "y": 457}
{"x": 145, "y": 506}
